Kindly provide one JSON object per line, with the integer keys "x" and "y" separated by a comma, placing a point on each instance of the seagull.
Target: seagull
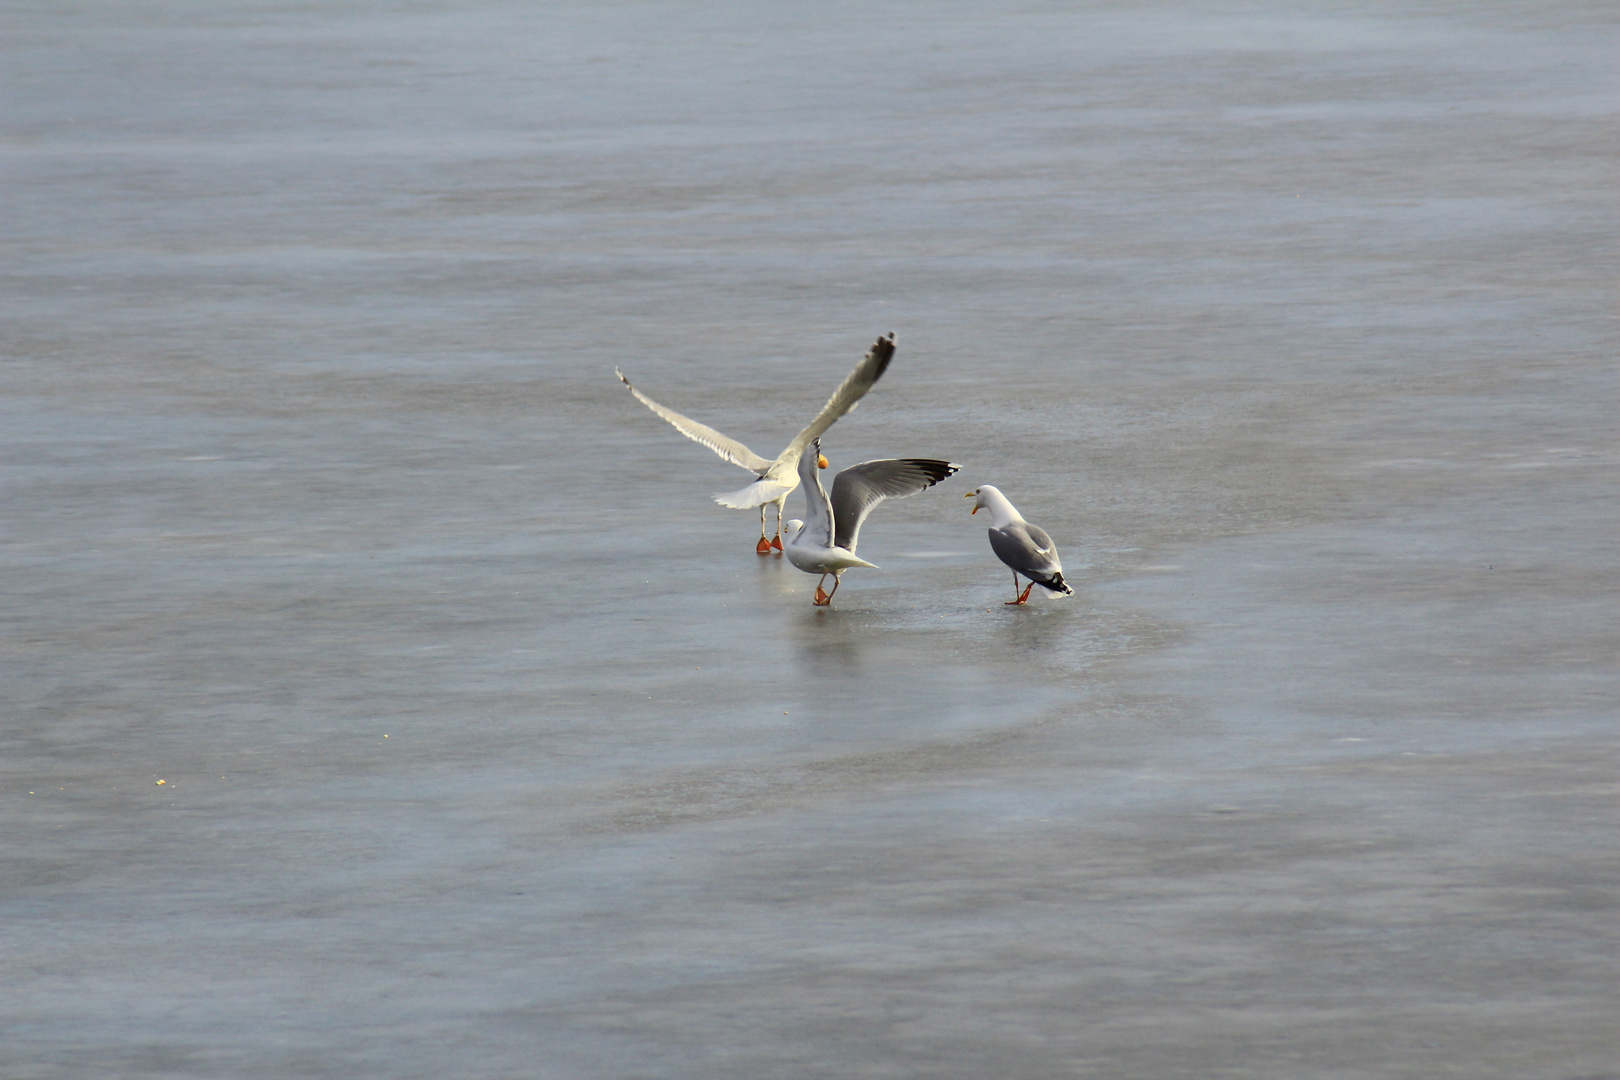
{"x": 777, "y": 479}
{"x": 1024, "y": 547}
{"x": 827, "y": 544}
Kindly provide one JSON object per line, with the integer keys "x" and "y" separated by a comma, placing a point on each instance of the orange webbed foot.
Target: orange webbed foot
{"x": 822, "y": 599}
{"x": 763, "y": 547}
{"x": 776, "y": 544}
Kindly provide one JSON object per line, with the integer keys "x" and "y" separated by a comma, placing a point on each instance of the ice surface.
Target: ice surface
{"x": 491, "y": 749}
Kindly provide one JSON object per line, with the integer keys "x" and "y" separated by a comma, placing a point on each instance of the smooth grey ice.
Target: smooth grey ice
{"x": 318, "y": 502}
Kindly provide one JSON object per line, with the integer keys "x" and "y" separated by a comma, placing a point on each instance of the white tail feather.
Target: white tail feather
{"x": 758, "y": 493}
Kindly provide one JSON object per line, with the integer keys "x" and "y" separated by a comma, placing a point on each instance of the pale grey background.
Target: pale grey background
{"x": 491, "y": 748}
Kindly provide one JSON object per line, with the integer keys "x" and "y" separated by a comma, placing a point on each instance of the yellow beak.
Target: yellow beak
{"x": 821, "y": 461}
{"x": 970, "y": 495}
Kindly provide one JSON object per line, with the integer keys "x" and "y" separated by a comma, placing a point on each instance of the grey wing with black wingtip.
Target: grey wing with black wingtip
{"x": 1030, "y": 551}
{"x": 861, "y": 487}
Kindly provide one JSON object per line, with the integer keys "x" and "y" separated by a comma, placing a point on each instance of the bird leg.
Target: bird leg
{"x": 777, "y": 543}
{"x": 764, "y": 545}
{"x": 837, "y": 581}
{"x": 824, "y": 598}
{"x": 1024, "y": 599}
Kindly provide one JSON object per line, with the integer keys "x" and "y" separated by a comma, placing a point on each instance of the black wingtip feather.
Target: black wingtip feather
{"x": 883, "y": 350}
{"x": 1057, "y": 584}
{"x": 935, "y": 469}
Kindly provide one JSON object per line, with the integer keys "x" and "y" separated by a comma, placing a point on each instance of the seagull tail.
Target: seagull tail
{"x": 1057, "y": 584}
{"x": 758, "y": 493}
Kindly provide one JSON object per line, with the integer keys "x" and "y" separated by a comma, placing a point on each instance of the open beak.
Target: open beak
{"x": 821, "y": 461}
{"x": 970, "y": 495}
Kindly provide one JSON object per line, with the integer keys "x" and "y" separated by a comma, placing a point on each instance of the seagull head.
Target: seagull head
{"x": 792, "y": 528}
{"x": 821, "y": 459}
{"x": 981, "y": 497}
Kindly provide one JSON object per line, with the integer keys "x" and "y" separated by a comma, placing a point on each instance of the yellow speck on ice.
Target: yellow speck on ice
{"x": 160, "y": 783}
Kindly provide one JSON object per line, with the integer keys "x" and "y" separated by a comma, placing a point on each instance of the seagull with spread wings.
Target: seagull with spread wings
{"x": 826, "y": 545}
{"x": 777, "y": 479}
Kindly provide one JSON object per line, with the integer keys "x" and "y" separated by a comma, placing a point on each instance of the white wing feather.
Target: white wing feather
{"x": 846, "y": 397}
{"x": 818, "y": 517}
{"x": 727, "y": 447}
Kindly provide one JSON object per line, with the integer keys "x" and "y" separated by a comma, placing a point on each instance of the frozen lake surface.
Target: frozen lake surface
{"x": 490, "y": 749}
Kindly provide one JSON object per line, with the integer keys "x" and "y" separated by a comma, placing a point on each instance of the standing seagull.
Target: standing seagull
{"x": 827, "y": 544}
{"x": 777, "y": 479}
{"x": 1024, "y": 547}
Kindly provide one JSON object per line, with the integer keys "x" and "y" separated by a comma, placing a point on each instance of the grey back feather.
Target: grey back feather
{"x": 1027, "y": 549}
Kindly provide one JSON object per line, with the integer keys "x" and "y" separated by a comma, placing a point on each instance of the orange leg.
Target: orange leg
{"x": 764, "y": 545}
{"x": 824, "y": 598}
{"x": 1024, "y": 599}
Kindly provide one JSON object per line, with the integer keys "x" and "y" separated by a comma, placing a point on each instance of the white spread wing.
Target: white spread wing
{"x": 727, "y": 447}
{"x": 847, "y": 396}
